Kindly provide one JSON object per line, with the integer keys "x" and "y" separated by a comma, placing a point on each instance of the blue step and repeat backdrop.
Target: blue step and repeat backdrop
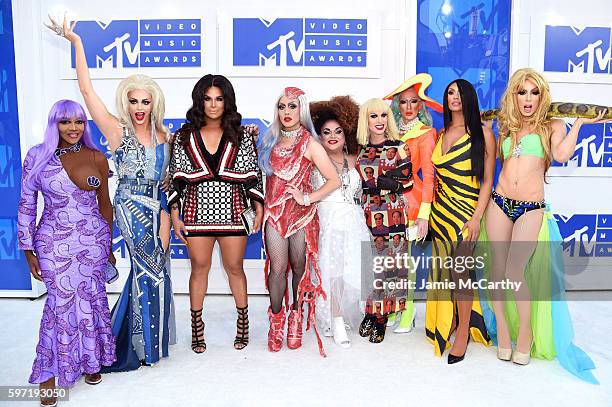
{"x": 470, "y": 39}
{"x": 14, "y": 274}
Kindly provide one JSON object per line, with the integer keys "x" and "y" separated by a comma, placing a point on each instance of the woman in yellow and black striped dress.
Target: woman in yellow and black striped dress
{"x": 464, "y": 159}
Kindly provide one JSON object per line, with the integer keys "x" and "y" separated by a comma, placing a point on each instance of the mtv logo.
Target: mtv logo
{"x": 578, "y": 233}
{"x": 8, "y": 164}
{"x": 8, "y": 239}
{"x": 109, "y": 45}
{"x": 260, "y": 42}
{"x": 591, "y": 148}
{"x": 572, "y": 49}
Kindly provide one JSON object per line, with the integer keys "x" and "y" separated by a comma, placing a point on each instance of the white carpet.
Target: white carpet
{"x": 401, "y": 371}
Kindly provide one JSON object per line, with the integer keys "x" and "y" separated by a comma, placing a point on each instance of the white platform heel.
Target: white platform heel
{"x": 340, "y": 336}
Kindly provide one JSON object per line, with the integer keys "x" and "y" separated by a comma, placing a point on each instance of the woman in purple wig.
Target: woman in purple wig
{"x": 68, "y": 249}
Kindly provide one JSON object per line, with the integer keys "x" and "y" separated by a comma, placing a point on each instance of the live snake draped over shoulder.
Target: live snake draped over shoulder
{"x": 562, "y": 109}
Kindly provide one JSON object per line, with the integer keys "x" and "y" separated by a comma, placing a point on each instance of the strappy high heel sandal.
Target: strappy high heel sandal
{"x": 197, "y": 331}
{"x": 242, "y": 328}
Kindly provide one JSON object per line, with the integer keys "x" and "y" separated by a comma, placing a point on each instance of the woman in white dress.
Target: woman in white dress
{"x": 344, "y": 238}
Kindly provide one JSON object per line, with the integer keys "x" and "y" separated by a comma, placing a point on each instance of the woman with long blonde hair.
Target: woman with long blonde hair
{"x": 385, "y": 170}
{"x": 522, "y": 231}
{"x": 143, "y": 318}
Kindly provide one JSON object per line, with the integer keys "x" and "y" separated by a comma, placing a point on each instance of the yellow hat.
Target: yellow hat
{"x": 420, "y": 82}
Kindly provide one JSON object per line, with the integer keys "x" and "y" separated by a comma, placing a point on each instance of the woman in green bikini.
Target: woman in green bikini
{"x": 521, "y": 230}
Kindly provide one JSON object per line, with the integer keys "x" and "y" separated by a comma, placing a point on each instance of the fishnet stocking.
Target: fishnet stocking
{"x": 281, "y": 252}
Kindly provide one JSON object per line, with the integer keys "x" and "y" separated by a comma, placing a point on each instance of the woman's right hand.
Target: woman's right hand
{"x": 64, "y": 30}
{"x": 179, "y": 229}
{"x": 33, "y": 265}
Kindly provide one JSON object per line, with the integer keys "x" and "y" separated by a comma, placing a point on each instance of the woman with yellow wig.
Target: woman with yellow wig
{"x": 525, "y": 241}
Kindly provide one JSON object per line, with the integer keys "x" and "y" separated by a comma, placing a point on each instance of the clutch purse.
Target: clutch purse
{"x": 412, "y": 233}
{"x": 248, "y": 219}
{"x": 111, "y": 273}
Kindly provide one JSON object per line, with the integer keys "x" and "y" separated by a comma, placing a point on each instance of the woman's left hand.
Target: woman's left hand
{"x": 253, "y": 130}
{"x": 166, "y": 183}
{"x": 473, "y": 228}
{"x": 422, "y": 225}
{"x": 597, "y": 119}
{"x": 296, "y": 193}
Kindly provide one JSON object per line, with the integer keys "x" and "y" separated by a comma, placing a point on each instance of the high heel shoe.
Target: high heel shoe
{"x": 521, "y": 358}
{"x": 367, "y": 325}
{"x": 378, "y": 333}
{"x": 242, "y": 328}
{"x": 294, "y": 328}
{"x": 197, "y": 331}
{"x": 340, "y": 336}
{"x": 393, "y": 318}
{"x": 277, "y": 329}
{"x": 504, "y": 354}
{"x": 403, "y": 327}
{"x": 452, "y": 359}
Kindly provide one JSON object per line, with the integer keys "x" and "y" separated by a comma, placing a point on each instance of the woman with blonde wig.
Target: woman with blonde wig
{"x": 525, "y": 242}
{"x": 143, "y": 318}
{"x": 385, "y": 169}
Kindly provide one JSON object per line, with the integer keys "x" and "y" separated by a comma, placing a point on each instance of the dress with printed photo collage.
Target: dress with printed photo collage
{"x": 386, "y": 172}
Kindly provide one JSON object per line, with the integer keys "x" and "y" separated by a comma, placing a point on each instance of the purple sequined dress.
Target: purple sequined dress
{"x": 72, "y": 243}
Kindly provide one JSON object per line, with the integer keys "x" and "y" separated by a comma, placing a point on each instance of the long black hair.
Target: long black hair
{"x": 473, "y": 124}
{"x": 196, "y": 119}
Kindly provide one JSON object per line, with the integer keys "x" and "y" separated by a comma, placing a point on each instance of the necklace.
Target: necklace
{"x": 516, "y": 153}
{"x": 345, "y": 180}
{"x": 404, "y": 127}
{"x": 290, "y": 134}
{"x": 75, "y": 148}
{"x": 341, "y": 164}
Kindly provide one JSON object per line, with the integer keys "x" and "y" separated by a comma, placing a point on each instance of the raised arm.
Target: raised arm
{"x": 562, "y": 145}
{"x": 106, "y": 122}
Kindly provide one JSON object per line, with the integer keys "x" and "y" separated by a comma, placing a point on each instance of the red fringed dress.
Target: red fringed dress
{"x": 287, "y": 217}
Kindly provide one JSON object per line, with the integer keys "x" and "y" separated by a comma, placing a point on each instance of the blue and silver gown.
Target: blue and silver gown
{"x": 143, "y": 318}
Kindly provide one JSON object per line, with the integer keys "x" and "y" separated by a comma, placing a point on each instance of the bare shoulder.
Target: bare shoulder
{"x": 352, "y": 160}
{"x": 100, "y": 159}
{"x": 314, "y": 144}
{"x": 557, "y": 125}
